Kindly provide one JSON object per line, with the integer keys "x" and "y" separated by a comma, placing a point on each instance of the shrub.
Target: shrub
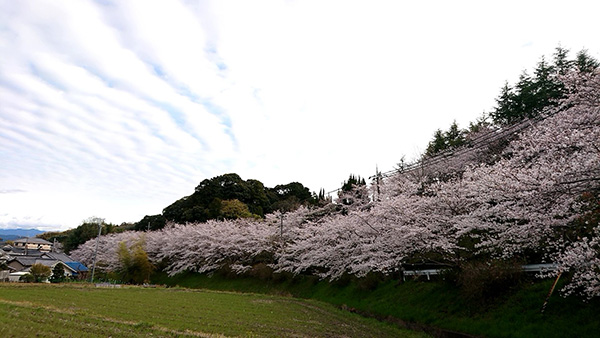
{"x": 58, "y": 274}
{"x": 370, "y": 281}
{"x": 135, "y": 265}
{"x": 482, "y": 282}
{"x": 28, "y": 278}
{"x": 261, "y": 271}
{"x": 40, "y": 272}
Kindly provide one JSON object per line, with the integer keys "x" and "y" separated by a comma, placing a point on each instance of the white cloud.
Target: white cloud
{"x": 117, "y": 109}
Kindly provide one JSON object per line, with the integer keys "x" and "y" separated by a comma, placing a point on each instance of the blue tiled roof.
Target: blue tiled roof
{"x": 77, "y": 266}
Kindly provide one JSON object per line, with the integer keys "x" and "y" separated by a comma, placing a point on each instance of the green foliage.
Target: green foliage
{"x": 72, "y": 238}
{"x": 261, "y": 271}
{"x": 353, "y": 192}
{"x": 206, "y": 202}
{"x": 234, "y": 209}
{"x": 80, "y": 235}
{"x": 27, "y": 278}
{"x": 155, "y": 222}
{"x": 370, "y": 282}
{"x": 352, "y": 182}
{"x": 40, "y": 272}
{"x": 51, "y": 235}
{"x": 288, "y": 197}
{"x": 136, "y": 268}
{"x": 481, "y": 283}
{"x": 58, "y": 274}
{"x": 452, "y": 138}
{"x": 212, "y": 199}
{"x": 531, "y": 95}
{"x": 585, "y": 63}
{"x": 436, "y": 145}
{"x": 321, "y": 196}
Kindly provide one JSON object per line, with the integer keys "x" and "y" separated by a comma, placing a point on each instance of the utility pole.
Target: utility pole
{"x": 99, "y": 221}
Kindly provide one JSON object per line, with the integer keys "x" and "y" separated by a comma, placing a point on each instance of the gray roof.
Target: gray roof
{"x": 47, "y": 262}
{"x": 32, "y": 240}
{"x": 27, "y": 262}
{"x": 23, "y": 251}
{"x": 58, "y": 256}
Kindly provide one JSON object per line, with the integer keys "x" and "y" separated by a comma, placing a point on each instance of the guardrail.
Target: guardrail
{"x": 434, "y": 272}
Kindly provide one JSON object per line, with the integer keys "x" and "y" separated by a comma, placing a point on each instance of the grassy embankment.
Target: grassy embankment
{"x": 76, "y": 310}
{"x": 431, "y": 305}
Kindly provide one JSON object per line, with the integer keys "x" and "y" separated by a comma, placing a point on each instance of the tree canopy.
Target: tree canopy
{"x": 530, "y": 97}
{"x": 215, "y": 198}
{"x": 532, "y": 94}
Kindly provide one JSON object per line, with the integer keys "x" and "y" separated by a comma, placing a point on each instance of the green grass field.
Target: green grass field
{"x": 77, "y": 310}
{"x": 431, "y": 305}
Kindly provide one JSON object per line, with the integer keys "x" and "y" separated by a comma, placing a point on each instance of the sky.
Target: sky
{"x": 116, "y": 109}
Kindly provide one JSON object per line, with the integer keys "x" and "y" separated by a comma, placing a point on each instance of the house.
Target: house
{"x": 29, "y": 243}
{"x": 22, "y": 264}
{"x": 19, "y": 259}
{"x": 78, "y": 270}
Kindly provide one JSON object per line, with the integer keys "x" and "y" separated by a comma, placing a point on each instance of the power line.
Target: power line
{"x": 475, "y": 144}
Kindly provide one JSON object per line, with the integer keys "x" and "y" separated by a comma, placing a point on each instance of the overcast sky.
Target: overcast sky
{"x": 118, "y": 108}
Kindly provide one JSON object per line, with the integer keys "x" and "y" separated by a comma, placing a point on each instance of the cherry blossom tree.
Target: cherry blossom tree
{"x": 506, "y": 193}
{"x": 205, "y": 247}
{"x": 108, "y": 245}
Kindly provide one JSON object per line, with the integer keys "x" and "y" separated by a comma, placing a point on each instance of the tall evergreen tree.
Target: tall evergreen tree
{"x": 584, "y": 63}
{"x": 452, "y": 138}
{"x": 533, "y": 94}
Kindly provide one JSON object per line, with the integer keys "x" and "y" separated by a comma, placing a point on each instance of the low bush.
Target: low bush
{"x": 27, "y": 278}
{"x": 482, "y": 282}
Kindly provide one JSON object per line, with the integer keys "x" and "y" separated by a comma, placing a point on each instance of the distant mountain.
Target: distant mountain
{"x": 12, "y": 234}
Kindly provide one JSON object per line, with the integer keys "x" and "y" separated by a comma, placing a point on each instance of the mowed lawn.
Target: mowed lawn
{"x": 83, "y": 310}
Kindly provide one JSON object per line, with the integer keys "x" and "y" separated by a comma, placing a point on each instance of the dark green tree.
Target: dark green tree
{"x": 208, "y": 200}
{"x": 562, "y": 64}
{"x": 86, "y": 231}
{"x": 436, "y": 145}
{"x": 585, "y": 63}
{"x": 321, "y": 196}
{"x": 532, "y": 95}
{"x": 27, "y": 278}
{"x": 58, "y": 274}
{"x": 353, "y": 191}
{"x": 175, "y": 211}
{"x": 352, "y": 182}
{"x": 288, "y": 197}
{"x": 154, "y": 222}
{"x": 205, "y": 202}
{"x": 257, "y": 199}
{"x": 452, "y": 138}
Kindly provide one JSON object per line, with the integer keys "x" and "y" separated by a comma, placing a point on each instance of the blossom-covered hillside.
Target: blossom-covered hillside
{"x": 537, "y": 200}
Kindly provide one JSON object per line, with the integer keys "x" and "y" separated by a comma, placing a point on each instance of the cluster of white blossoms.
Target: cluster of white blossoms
{"x": 528, "y": 198}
